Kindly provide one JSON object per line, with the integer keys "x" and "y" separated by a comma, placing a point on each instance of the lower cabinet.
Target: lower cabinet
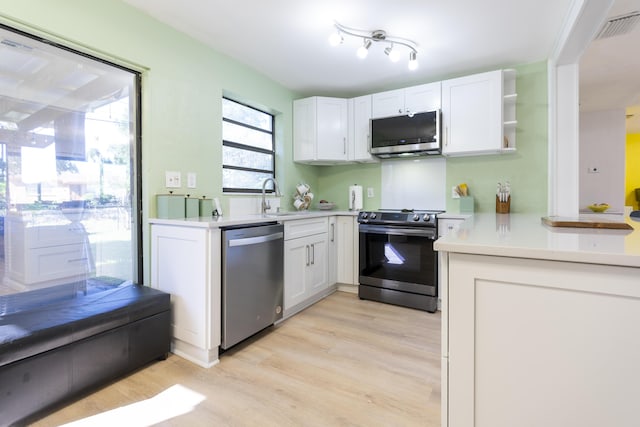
{"x": 306, "y": 266}
{"x": 539, "y": 343}
{"x": 346, "y": 248}
{"x": 333, "y": 261}
{"x": 185, "y": 262}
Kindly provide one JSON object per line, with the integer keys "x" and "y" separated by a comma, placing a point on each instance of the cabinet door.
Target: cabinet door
{"x": 448, "y": 225}
{"x": 346, "y": 249}
{"x": 386, "y": 104}
{"x": 362, "y": 129}
{"x": 331, "y": 127}
{"x": 332, "y": 262}
{"x": 297, "y": 258}
{"x": 317, "y": 272}
{"x": 179, "y": 267}
{"x": 471, "y": 111}
{"x": 422, "y": 98}
{"x": 304, "y": 129}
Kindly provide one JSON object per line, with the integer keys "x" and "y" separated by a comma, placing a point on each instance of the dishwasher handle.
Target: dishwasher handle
{"x": 256, "y": 240}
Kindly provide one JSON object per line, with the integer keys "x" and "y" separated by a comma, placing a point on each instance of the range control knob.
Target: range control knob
{"x": 364, "y": 215}
{"x": 416, "y": 217}
{"x": 426, "y": 218}
{"x": 373, "y": 215}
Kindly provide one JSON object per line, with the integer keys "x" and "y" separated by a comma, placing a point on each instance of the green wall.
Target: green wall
{"x": 182, "y": 85}
{"x": 526, "y": 169}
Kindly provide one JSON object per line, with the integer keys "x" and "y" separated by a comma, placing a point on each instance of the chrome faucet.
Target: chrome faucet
{"x": 265, "y": 203}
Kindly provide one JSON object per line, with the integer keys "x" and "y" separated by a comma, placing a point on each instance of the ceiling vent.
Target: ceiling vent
{"x": 619, "y": 25}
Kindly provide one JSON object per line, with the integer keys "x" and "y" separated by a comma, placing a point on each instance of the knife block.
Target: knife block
{"x": 503, "y": 207}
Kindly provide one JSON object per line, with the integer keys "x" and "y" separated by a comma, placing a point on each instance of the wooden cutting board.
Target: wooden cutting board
{"x": 558, "y": 221}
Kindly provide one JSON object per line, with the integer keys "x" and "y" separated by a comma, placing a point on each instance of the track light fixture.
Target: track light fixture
{"x": 368, "y": 37}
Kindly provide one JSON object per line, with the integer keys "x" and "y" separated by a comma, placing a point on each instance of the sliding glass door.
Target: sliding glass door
{"x": 69, "y": 186}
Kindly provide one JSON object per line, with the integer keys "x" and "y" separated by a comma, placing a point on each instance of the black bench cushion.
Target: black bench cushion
{"x": 27, "y": 333}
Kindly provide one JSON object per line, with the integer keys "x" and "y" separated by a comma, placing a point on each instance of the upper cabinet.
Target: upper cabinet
{"x": 320, "y": 127}
{"x": 415, "y": 99}
{"x": 360, "y": 130}
{"x": 479, "y": 113}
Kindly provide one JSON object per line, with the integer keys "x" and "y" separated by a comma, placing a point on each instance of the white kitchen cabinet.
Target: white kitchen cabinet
{"x": 320, "y": 130}
{"x": 414, "y": 99}
{"x": 306, "y": 263}
{"x": 551, "y": 332}
{"x": 360, "y": 130}
{"x": 332, "y": 260}
{"x": 347, "y": 250}
{"x": 449, "y": 225}
{"x": 185, "y": 262}
{"x": 479, "y": 114}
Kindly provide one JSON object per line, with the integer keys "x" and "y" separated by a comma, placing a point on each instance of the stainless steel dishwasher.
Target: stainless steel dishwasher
{"x": 252, "y": 280}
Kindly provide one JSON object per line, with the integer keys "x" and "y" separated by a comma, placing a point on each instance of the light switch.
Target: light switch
{"x": 172, "y": 179}
{"x": 191, "y": 180}
{"x": 370, "y": 192}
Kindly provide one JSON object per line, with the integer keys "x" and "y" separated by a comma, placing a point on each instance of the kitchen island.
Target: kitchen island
{"x": 539, "y": 323}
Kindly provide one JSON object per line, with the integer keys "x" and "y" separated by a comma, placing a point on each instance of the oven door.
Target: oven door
{"x": 398, "y": 258}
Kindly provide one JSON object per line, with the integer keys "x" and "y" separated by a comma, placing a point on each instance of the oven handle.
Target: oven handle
{"x": 398, "y": 231}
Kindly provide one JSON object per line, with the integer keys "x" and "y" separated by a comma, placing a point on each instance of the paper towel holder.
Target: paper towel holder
{"x": 355, "y": 201}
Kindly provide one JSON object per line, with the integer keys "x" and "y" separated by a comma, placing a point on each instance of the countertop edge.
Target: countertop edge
{"x": 229, "y": 221}
{"x": 524, "y": 236}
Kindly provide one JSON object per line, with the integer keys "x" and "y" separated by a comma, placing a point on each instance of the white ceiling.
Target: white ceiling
{"x": 287, "y": 40}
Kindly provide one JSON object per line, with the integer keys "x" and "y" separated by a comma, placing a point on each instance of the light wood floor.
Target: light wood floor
{"x": 341, "y": 362}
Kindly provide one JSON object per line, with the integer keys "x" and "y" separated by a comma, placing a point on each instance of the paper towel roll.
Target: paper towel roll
{"x": 355, "y": 197}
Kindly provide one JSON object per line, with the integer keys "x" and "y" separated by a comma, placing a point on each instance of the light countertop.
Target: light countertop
{"x": 233, "y": 220}
{"x": 525, "y": 236}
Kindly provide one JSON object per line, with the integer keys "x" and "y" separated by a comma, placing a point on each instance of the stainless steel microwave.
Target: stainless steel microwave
{"x": 408, "y": 135}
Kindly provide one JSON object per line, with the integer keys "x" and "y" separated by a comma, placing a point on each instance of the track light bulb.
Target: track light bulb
{"x": 413, "y": 61}
{"x": 336, "y": 38}
{"x": 393, "y": 54}
{"x": 363, "y": 50}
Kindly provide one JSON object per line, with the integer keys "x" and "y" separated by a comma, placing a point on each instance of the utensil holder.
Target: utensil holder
{"x": 467, "y": 204}
{"x": 503, "y": 207}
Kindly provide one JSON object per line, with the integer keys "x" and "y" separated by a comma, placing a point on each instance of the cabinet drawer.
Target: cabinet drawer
{"x": 57, "y": 263}
{"x": 54, "y": 235}
{"x": 305, "y": 227}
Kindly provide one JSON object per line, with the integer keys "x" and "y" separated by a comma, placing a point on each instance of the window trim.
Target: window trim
{"x": 240, "y": 146}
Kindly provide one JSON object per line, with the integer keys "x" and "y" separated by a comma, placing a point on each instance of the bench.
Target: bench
{"x": 53, "y": 352}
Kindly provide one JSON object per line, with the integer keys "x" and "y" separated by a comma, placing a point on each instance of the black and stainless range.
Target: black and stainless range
{"x": 397, "y": 262}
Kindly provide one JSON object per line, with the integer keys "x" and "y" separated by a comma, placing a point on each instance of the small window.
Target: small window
{"x": 248, "y": 148}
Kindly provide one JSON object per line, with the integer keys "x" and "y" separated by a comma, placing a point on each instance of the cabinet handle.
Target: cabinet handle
{"x": 333, "y": 232}
{"x": 307, "y": 247}
{"x": 344, "y": 145}
{"x": 446, "y": 136}
{"x": 313, "y": 254}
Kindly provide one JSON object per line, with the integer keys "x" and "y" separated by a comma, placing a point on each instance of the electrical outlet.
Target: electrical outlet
{"x": 172, "y": 179}
{"x": 454, "y": 193}
{"x": 191, "y": 180}
{"x": 370, "y": 192}
{"x": 593, "y": 169}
